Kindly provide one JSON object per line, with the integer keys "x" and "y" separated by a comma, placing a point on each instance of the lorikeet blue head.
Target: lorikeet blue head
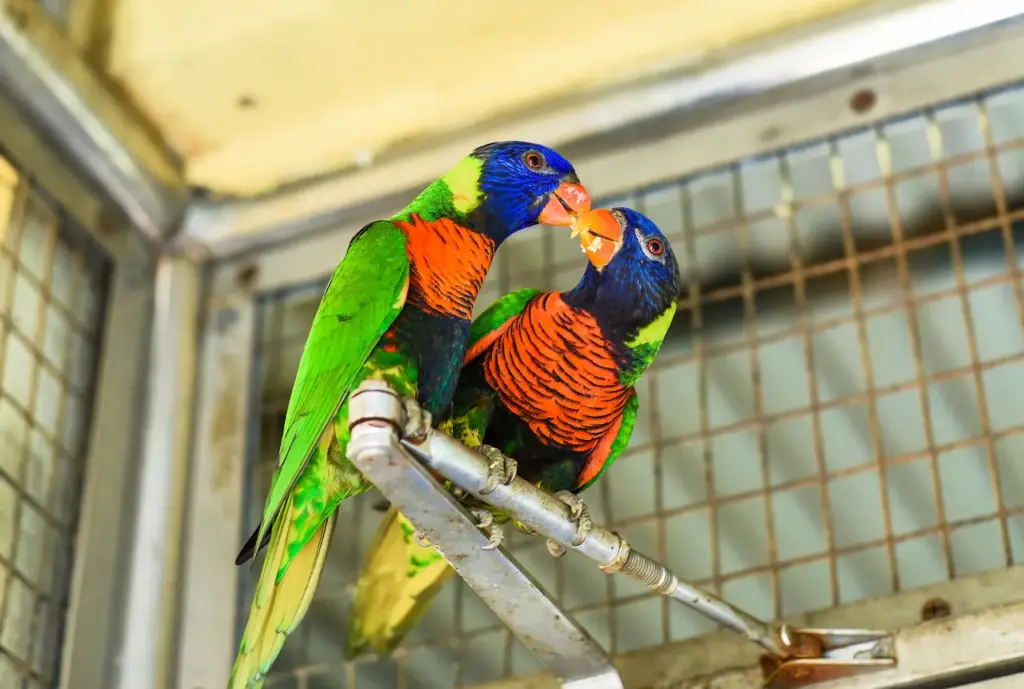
{"x": 633, "y": 278}
{"x": 520, "y": 184}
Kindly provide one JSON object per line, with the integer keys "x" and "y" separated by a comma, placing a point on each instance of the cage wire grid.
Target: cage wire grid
{"x": 52, "y": 285}
{"x": 831, "y": 419}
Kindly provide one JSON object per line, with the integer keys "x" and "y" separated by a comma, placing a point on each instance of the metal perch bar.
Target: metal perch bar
{"x": 377, "y": 417}
{"x": 547, "y": 515}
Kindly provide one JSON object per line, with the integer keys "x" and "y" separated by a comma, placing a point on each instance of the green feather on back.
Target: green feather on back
{"x": 362, "y": 300}
{"x": 499, "y": 313}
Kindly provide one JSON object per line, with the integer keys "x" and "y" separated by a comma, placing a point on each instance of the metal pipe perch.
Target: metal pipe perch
{"x": 380, "y": 448}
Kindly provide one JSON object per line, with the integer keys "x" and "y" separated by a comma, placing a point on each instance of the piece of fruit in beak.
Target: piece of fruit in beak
{"x": 567, "y": 203}
{"x": 600, "y": 236}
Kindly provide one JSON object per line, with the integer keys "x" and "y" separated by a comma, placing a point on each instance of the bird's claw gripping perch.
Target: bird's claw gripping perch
{"x": 580, "y": 515}
{"x": 418, "y": 420}
{"x": 486, "y": 523}
{"x": 501, "y": 470}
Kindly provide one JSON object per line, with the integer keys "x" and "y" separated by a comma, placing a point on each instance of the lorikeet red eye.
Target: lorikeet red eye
{"x": 533, "y": 160}
{"x": 655, "y": 247}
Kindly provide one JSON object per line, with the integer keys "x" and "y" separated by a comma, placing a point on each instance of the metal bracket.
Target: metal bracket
{"x": 823, "y": 655}
{"x": 794, "y": 657}
{"x": 552, "y": 635}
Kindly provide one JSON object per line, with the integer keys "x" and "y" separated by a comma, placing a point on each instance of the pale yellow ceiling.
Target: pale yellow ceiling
{"x": 257, "y": 93}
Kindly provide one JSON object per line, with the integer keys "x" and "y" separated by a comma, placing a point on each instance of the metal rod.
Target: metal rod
{"x": 533, "y": 507}
{"x": 552, "y": 635}
{"x": 550, "y": 517}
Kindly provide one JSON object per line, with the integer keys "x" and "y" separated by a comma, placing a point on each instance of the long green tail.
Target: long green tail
{"x": 281, "y": 600}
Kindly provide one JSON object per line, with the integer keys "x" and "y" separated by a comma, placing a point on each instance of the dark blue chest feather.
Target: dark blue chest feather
{"x": 438, "y": 345}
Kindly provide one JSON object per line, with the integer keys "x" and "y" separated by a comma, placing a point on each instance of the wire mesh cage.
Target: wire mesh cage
{"x": 52, "y": 290}
{"x": 831, "y": 419}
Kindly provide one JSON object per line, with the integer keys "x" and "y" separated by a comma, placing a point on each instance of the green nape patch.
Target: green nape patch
{"x": 455, "y": 194}
{"x": 644, "y": 347}
{"x": 464, "y": 182}
{"x": 654, "y": 332}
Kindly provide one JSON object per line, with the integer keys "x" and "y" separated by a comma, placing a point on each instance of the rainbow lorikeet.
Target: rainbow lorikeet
{"x": 549, "y": 380}
{"x": 398, "y": 309}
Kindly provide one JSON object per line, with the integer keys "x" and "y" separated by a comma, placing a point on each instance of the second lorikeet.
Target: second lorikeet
{"x": 549, "y": 380}
{"x": 398, "y": 309}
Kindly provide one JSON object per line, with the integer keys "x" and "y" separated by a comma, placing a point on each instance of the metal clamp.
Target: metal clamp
{"x": 823, "y": 655}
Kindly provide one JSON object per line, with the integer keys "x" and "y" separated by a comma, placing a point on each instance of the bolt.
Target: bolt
{"x": 934, "y": 609}
{"x": 770, "y": 134}
{"x": 247, "y": 276}
{"x": 862, "y": 101}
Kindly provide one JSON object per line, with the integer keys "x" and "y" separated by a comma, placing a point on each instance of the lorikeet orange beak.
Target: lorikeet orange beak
{"x": 600, "y": 234}
{"x": 567, "y": 203}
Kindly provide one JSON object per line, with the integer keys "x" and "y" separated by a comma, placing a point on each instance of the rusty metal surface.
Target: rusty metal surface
{"x": 832, "y": 419}
{"x": 814, "y": 656}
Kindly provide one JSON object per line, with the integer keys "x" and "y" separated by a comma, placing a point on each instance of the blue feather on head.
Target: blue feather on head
{"x": 523, "y": 184}
{"x": 632, "y": 277}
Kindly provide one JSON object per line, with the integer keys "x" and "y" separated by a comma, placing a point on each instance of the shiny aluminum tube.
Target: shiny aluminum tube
{"x": 537, "y": 509}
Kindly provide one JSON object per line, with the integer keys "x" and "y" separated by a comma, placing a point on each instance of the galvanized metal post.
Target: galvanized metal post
{"x": 152, "y": 587}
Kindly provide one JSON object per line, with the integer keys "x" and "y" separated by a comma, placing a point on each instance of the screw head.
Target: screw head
{"x": 935, "y": 608}
{"x": 247, "y": 276}
{"x": 863, "y": 101}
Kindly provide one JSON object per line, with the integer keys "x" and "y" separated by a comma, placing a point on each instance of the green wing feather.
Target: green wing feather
{"x": 500, "y": 312}
{"x": 362, "y": 300}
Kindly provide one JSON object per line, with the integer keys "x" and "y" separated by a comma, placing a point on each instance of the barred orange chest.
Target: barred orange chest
{"x": 553, "y": 368}
{"x": 448, "y": 265}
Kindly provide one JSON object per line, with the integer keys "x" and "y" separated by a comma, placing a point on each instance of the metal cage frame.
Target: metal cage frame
{"x": 902, "y": 86}
{"x": 173, "y": 442}
{"x": 94, "y": 623}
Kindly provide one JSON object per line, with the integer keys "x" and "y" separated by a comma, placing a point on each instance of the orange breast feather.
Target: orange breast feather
{"x": 448, "y": 264}
{"x": 553, "y": 368}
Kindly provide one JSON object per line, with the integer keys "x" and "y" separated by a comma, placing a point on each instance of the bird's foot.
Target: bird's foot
{"x": 524, "y": 528}
{"x": 579, "y": 514}
{"x": 501, "y": 470}
{"x": 486, "y": 523}
{"x": 418, "y": 421}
